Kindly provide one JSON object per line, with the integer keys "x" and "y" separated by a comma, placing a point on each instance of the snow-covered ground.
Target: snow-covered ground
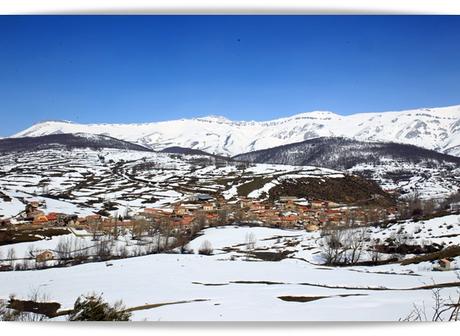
{"x": 232, "y": 285}
{"x": 427, "y": 182}
{"x": 80, "y": 181}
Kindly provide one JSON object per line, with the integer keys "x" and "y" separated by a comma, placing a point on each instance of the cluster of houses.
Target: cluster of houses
{"x": 204, "y": 209}
{"x": 287, "y": 212}
{"x": 32, "y": 214}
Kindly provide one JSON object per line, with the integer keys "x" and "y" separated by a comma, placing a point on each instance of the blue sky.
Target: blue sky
{"x": 148, "y": 68}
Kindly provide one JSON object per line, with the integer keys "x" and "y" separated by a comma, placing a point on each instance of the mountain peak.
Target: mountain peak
{"x": 53, "y": 121}
{"x": 214, "y": 118}
{"x": 316, "y": 115}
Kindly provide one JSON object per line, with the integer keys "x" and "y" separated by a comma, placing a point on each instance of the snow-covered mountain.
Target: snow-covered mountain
{"x": 342, "y": 153}
{"x": 432, "y": 128}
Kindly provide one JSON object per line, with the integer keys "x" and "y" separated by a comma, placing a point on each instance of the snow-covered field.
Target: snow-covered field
{"x": 233, "y": 285}
{"x": 80, "y": 181}
{"x": 428, "y": 182}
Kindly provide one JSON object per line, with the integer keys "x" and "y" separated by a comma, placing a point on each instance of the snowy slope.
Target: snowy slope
{"x": 393, "y": 166}
{"x": 433, "y": 128}
{"x": 66, "y": 141}
{"x": 227, "y": 286}
{"x": 81, "y": 180}
{"x": 343, "y": 153}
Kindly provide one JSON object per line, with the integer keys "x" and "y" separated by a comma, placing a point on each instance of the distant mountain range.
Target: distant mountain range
{"x": 66, "y": 141}
{"x": 431, "y": 128}
{"x": 394, "y": 166}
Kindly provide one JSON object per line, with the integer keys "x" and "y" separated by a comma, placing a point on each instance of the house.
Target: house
{"x": 186, "y": 209}
{"x": 154, "y": 212}
{"x": 32, "y": 210}
{"x": 288, "y": 219}
{"x": 44, "y": 256}
{"x": 443, "y": 265}
{"x": 182, "y": 221}
{"x": 93, "y": 218}
{"x": 52, "y": 216}
{"x": 286, "y": 199}
{"x": 40, "y": 219}
{"x": 208, "y": 207}
{"x": 58, "y": 218}
{"x": 200, "y": 198}
{"x": 319, "y": 204}
{"x": 331, "y": 204}
{"x": 311, "y": 227}
{"x": 257, "y": 206}
{"x": 245, "y": 202}
{"x": 211, "y": 217}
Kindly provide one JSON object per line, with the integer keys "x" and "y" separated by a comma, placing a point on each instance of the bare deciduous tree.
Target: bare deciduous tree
{"x": 442, "y": 310}
{"x": 11, "y": 257}
{"x": 64, "y": 249}
{"x": 354, "y": 241}
{"x": 205, "y": 248}
{"x": 332, "y": 246}
{"x": 250, "y": 241}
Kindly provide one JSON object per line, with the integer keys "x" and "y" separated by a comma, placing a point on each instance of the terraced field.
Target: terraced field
{"x": 86, "y": 181}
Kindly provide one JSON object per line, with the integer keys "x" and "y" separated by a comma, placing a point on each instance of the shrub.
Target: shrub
{"x": 94, "y": 308}
{"x": 206, "y": 248}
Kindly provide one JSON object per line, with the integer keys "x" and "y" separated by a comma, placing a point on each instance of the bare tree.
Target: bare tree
{"x": 200, "y": 221}
{"x": 139, "y": 227}
{"x": 442, "y": 310}
{"x": 205, "y": 248}
{"x": 250, "y": 241}
{"x": 11, "y": 257}
{"x": 26, "y": 263}
{"x": 64, "y": 249}
{"x": 103, "y": 251}
{"x": 353, "y": 244}
{"x": 167, "y": 232}
{"x": 161, "y": 228}
{"x": 429, "y": 206}
{"x": 182, "y": 240}
{"x": 94, "y": 227}
{"x": 80, "y": 250}
{"x": 376, "y": 256}
{"x": 332, "y": 246}
{"x": 223, "y": 217}
{"x": 122, "y": 251}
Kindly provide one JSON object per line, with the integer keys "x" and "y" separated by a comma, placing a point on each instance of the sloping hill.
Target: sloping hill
{"x": 349, "y": 189}
{"x": 66, "y": 141}
{"x": 342, "y": 153}
{"x": 190, "y": 151}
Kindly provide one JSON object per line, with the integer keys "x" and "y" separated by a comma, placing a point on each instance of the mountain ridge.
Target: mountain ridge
{"x": 66, "y": 140}
{"x": 432, "y": 128}
{"x": 343, "y": 153}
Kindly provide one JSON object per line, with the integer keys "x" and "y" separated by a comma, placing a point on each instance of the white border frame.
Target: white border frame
{"x": 230, "y": 7}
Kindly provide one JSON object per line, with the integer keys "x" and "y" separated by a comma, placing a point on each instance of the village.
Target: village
{"x": 205, "y": 210}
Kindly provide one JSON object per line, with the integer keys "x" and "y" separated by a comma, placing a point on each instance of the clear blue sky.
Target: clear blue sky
{"x": 148, "y": 68}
